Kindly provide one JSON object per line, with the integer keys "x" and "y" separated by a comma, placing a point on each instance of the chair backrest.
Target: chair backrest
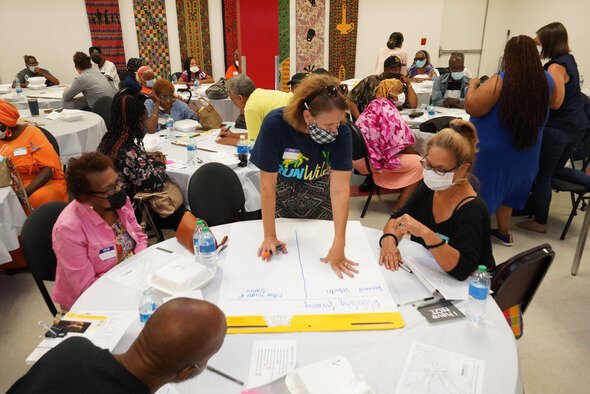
{"x": 359, "y": 146}
{"x": 102, "y": 107}
{"x": 215, "y": 194}
{"x": 186, "y": 90}
{"x": 123, "y": 73}
{"x": 51, "y": 139}
{"x": 36, "y": 240}
{"x": 176, "y": 74}
{"x": 516, "y": 281}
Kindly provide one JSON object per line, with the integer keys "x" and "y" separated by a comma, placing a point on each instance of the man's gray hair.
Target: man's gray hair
{"x": 240, "y": 85}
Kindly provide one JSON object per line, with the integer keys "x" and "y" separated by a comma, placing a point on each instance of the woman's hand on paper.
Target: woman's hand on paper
{"x": 339, "y": 263}
{"x": 270, "y": 246}
{"x": 390, "y": 257}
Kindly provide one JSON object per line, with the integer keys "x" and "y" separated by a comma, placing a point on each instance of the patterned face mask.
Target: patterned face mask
{"x": 320, "y": 135}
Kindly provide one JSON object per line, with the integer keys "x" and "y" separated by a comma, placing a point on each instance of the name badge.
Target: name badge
{"x": 20, "y": 151}
{"x": 443, "y": 237}
{"x": 291, "y": 154}
{"x": 107, "y": 253}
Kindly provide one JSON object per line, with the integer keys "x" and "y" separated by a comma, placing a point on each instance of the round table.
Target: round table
{"x": 377, "y": 355}
{"x": 12, "y": 217}
{"x": 181, "y": 174}
{"x": 226, "y": 108}
{"x": 49, "y": 98}
{"x": 73, "y": 138}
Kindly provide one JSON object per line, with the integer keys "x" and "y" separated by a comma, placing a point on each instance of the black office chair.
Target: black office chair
{"x": 215, "y": 194}
{"x": 577, "y": 183}
{"x": 102, "y": 107}
{"x": 176, "y": 74}
{"x": 516, "y": 281}
{"x": 123, "y": 74}
{"x": 36, "y": 246}
{"x": 51, "y": 139}
{"x": 186, "y": 90}
{"x": 359, "y": 151}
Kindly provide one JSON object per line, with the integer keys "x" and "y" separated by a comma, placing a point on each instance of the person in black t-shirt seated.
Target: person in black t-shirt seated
{"x": 444, "y": 214}
{"x": 304, "y": 152}
{"x": 175, "y": 345}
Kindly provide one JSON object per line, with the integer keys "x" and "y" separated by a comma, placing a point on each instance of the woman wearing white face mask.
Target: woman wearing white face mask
{"x": 146, "y": 78}
{"x": 389, "y": 141}
{"x": 445, "y": 213}
{"x": 304, "y": 152}
{"x": 192, "y": 74}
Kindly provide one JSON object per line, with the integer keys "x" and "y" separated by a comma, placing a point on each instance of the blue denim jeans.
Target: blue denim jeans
{"x": 556, "y": 149}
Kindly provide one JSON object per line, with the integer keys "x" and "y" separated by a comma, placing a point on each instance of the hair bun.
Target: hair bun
{"x": 466, "y": 129}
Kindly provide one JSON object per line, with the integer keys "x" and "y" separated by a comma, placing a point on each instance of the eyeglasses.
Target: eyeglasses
{"x": 167, "y": 98}
{"x": 112, "y": 189}
{"x": 330, "y": 91}
{"x": 427, "y": 166}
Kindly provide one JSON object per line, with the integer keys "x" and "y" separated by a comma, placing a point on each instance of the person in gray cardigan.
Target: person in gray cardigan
{"x": 91, "y": 83}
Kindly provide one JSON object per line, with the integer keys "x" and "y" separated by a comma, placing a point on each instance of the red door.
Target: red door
{"x": 258, "y": 39}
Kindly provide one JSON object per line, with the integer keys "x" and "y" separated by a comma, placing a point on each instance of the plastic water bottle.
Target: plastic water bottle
{"x": 170, "y": 125}
{"x": 148, "y": 305}
{"x": 243, "y": 151}
{"x": 251, "y": 145}
{"x": 479, "y": 288}
{"x": 191, "y": 151}
{"x": 196, "y": 235}
{"x": 430, "y": 110}
{"x": 17, "y": 88}
{"x": 207, "y": 253}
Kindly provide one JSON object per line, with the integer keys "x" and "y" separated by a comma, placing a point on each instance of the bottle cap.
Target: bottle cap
{"x": 482, "y": 268}
{"x": 251, "y": 139}
{"x": 205, "y": 228}
{"x": 200, "y": 221}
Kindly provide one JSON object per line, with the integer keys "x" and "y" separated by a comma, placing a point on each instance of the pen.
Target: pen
{"x": 222, "y": 243}
{"x": 207, "y": 150}
{"x": 267, "y": 253}
{"x": 164, "y": 250}
{"x": 407, "y": 269}
{"x": 225, "y": 375}
{"x": 416, "y": 301}
{"x": 427, "y": 303}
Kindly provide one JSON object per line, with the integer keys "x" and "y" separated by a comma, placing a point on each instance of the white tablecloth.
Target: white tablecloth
{"x": 377, "y": 355}
{"x": 50, "y": 97}
{"x": 422, "y": 137}
{"x": 12, "y": 218}
{"x": 249, "y": 176}
{"x": 73, "y": 138}
{"x": 226, "y": 108}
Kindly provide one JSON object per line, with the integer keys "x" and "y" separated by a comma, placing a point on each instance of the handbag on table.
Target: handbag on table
{"x": 208, "y": 116}
{"x": 217, "y": 91}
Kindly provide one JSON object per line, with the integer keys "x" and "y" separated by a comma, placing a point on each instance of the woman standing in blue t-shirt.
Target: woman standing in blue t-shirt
{"x": 304, "y": 153}
{"x": 567, "y": 121}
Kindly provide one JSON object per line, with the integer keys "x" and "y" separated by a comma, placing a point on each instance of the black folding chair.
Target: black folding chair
{"x": 37, "y": 249}
{"x": 215, "y": 194}
{"x": 51, "y": 139}
{"x": 102, "y": 107}
{"x": 516, "y": 281}
{"x": 359, "y": 151}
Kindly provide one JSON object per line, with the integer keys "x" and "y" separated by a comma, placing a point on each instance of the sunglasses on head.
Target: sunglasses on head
{"x": 330, "y": 91}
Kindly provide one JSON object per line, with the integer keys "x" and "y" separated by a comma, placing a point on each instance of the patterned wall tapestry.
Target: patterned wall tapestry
{"x": 105, "y": 29}
{"x": 310, "y": 26}
{"x": 230, "y": 29}
{"x": 284, "y": 45}
{"x": 343, "y": 29}
{"x": 193, "y": 31}
{"x": 152, "y": 34}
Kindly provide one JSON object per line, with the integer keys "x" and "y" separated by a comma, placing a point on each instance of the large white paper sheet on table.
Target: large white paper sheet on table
{"x": 271, "y": 360}
{"x": 429, "y": 369}
{"x": 135, "y": 272}
{"x": 298, "y": 283}
{"x": 421, "y": 261}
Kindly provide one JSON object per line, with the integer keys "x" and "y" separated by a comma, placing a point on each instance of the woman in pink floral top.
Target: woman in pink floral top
{"x": 389, "y": 143}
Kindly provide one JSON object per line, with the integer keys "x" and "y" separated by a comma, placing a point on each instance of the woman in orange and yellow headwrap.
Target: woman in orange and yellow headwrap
{"x": 34, "y": 157}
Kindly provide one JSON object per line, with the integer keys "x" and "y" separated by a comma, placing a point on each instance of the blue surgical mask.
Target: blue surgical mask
{"x": 457, "y": 75}
{"x": 420, "y": 63}
{"x": 150, "y": 83}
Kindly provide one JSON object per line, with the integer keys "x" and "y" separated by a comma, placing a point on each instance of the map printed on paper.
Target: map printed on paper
{"x": 429, "y": 369}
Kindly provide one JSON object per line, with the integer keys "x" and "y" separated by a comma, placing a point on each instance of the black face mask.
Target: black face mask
{"x": 95, "y": 59}
{"x": 117, "y": 200}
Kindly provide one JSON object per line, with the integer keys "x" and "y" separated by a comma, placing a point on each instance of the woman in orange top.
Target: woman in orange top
{"x": 146, "y": 78}
{"x": 34, "y": 157}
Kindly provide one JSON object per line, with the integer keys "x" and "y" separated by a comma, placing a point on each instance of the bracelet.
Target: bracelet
{"x": 441, "y": 243}
{"x": 154, "y": 114}
{"x": 388, "y": 235}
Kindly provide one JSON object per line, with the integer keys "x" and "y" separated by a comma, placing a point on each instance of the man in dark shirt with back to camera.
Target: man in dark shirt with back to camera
{"x": 175, "y": 345}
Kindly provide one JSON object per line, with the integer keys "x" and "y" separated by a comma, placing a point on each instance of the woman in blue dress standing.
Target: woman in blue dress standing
{"x": 509, "y": 111}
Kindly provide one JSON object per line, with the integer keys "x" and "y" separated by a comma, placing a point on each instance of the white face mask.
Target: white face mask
{"x": 150, "y": 83}
{"x": 194, "y": 70}
{"x": 540, "y": 49}
{"x": 438, "y": 182}
{"x": 401, "y": 99}
{"x": 32, "y": 68}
